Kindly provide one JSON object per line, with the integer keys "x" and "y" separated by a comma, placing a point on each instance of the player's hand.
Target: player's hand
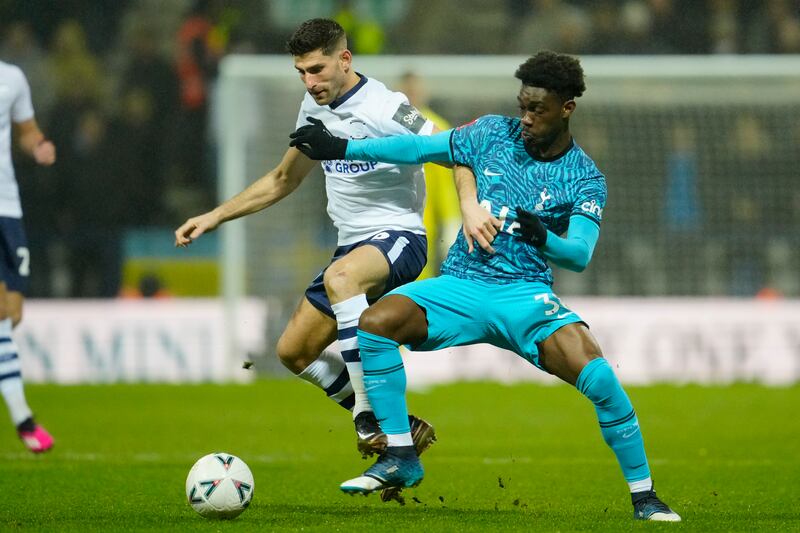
{"x": 479, "y": 226}
{"x": 45, "y": 153}
{"x": 531, "y": 229}
{"x": 194, "y": 227}
{"x": 317, "y": 143}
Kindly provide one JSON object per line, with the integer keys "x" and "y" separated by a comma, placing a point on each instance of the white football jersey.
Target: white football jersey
{"x": 366, "y": 197}
{"x": 15, "y": 106}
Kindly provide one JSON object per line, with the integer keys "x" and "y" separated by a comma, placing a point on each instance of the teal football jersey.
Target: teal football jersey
{"x": 507, "y": 176}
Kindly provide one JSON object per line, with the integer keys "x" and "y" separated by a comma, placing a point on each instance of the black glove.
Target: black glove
{"x": 531, "y": 229}
{"x": 317, "y": 142}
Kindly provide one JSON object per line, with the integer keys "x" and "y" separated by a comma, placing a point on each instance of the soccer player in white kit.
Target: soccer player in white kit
{"x": 16, "y": 108}
{"x": 376, "y": 208}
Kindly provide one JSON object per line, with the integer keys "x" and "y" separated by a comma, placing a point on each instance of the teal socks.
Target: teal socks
{"x": 618, "y": 422}
{"x": 385, "y": 381}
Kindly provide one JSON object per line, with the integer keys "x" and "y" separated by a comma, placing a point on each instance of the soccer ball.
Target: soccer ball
{"x": 219, "y": 485}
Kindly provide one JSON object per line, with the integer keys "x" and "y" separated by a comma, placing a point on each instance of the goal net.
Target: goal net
{"x": 701, "y": 156}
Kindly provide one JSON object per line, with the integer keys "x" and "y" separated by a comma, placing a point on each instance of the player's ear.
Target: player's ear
{"x": 567, "y": 108}
{"x": 346, "y": 59}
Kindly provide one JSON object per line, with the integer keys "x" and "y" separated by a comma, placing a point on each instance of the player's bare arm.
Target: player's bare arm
{"x": 478, "y": 224}
{"x": 35, "y": 144}
{"x": 264, "y": 192}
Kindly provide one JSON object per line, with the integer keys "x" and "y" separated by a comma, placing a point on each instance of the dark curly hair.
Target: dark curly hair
{"x": 559, "y": 73}
{"x": 316, "y": 34}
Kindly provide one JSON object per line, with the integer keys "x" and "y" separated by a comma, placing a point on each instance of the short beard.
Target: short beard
{"x": 542, "y": 145}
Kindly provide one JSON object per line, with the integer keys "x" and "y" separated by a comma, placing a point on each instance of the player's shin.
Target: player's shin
{"x": 618, "y": 422}
{"x": 385, "y": 383}
{"x": 347, "y": 314}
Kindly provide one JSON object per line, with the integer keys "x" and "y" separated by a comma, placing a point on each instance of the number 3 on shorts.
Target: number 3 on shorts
{"x": 549, "y": 299}
{"x": 25, "y": 261}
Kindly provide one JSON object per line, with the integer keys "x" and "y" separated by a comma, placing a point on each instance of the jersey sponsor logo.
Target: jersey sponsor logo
{"x": 592, "y": 208}
{"x": 487, "y": 172}
{"x": 409, "y": 117}
{"x": 348, "y": 167}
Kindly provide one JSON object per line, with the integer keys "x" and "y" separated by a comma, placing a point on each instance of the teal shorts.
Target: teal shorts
{"x": 514, "y": 316}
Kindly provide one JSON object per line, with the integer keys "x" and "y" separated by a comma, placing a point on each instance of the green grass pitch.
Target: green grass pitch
{"x": 523, "y": 457}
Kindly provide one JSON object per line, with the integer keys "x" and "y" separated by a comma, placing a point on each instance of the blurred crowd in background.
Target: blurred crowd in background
{"x": 123, "y": 89}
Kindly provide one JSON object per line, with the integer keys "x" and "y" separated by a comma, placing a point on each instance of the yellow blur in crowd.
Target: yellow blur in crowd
{"x": 442, "y": 216}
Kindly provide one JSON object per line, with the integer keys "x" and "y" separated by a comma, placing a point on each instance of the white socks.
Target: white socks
{"x": 402, "y": 439}
{"x": 641, "y": 486}
{"x": 329, "y": 374}
{"x": 347, "y": 314}
{"x": 11, "y": 376}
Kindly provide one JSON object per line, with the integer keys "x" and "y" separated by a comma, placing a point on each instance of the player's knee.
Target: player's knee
{"x": 601, "y": 383}
{"x": 396, "y": 317}
{"x": 339, "y": 282}
{"x": 381, "y": 321}
{"x": 290, "y": 355}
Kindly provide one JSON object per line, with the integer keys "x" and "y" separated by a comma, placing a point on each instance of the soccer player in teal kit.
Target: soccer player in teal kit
{"x": 537, "y": 184}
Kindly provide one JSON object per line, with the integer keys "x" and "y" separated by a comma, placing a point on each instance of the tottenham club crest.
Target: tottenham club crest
{"x": 543, "y": 197}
